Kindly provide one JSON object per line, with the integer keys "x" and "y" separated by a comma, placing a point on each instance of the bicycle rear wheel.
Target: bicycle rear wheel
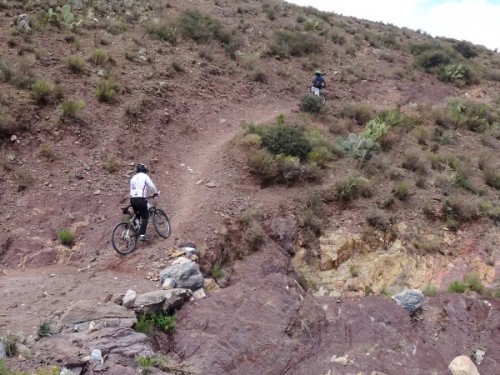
{"x": 161, "y": 223}
{"x": 323, "y": 98}
{"x": 124, "y": 238}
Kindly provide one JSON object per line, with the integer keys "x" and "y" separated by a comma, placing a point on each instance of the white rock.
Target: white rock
{"x": 96, "y": 356}
{"x": 199, "y": 294}
{"x": 463, "y": 365}
{"x": 129, "y": 298}
{"x": 168, "y": 283}
{"x": 181, "y": 260}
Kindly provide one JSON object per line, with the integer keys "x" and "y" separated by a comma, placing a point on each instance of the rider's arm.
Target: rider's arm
{"x": 152, "y": 186}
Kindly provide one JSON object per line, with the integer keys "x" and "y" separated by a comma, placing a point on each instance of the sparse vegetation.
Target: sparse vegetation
{"x": 41, "y": 90}
{"x": 311, "y": 103}
{"x": 112, "y": 165}
{"x": 66, "y": 237}
{"x": 47, "y": 151}
{"x": 162, "y": 321}
{"x": 457, "y": 287}
{"x": 293, "y": 43}
{"x": 352, "y": 188}
{"x": 430, "y": 290}
{"x": 70, "y": 108}
{"x": 75, "y": 63}
{"x": 44, "y": 329}
{"x": 99, "y": 57}
{"x": 106, "y": 90}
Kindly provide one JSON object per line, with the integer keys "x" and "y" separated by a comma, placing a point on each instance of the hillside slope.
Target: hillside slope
{"x": 170, "y": 84}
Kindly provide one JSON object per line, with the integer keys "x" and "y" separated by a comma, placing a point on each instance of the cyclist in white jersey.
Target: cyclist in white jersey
{"x": 139, "y": 186}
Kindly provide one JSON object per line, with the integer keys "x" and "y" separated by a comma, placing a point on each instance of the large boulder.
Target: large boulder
{"x": 186, "y": 274}
{"x": 161, "y": 300}
{"x": 91, "y": 315}
{"x": 463, "y": 365}
{"x": 411, "y": 300}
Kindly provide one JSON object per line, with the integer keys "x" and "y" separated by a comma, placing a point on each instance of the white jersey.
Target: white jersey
{"x": 139, "y": 185}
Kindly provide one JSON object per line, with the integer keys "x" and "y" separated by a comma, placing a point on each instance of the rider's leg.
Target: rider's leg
{"x": 141, "y": 205}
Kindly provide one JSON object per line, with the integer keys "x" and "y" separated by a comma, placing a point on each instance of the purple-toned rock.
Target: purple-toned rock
{"x": 411, "y": 300}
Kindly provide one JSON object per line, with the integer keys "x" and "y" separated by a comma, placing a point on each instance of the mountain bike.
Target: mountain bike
{"x": 318, "y": 92}
{"x": 126, "y": 233}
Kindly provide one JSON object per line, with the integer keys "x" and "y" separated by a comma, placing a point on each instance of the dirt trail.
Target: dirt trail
{"x": 32, "y": 296}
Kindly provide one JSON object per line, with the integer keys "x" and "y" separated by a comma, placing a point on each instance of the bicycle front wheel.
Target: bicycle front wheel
{"x": 323, "y": 98}
{"x": 161, "y": 223}
{"x": 124, "y": 238}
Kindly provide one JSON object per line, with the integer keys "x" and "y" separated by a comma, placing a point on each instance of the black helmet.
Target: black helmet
{"x": 141, "y": 168}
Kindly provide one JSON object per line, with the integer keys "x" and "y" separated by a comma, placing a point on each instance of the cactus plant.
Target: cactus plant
{"x": 359, "y": 147}
{"x": 64, "y": 16}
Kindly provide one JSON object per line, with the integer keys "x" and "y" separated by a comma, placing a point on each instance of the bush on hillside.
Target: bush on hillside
{"x": 465, "y": 49}
{"x": 282, "y": 139}
{"x": 200, "y": 27}
{"x": 310, "y": 103}
{"x": 429, "y": 60}
{"x": 41, "y": 90}
{"x": 294, "y": 43}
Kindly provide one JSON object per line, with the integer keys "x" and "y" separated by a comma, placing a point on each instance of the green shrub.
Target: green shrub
{"x": 430, "y": 290}
{"x": 112, "y": 165}
{"x": 457, "y": 287}
{"x": 282, "y": 139}
{"x": 164, "y": 322}
{"x": 106, "y": 90}
{"x": 6, "y": 123}
{"x": 402, "y": 191}
{"x": 163, "y": 30}
{"x": 47, "y": 151}
{"x": 144, "y": 325}
{"x": 294, "y": 43}
{"x": 75, "y": 63}
{"x": 310, "y": 103}
{"x": 474, "y": 283}
{"x": 262, "y": 163}
{"x": 361, "y": 113}
{"x": 429, "y": 60}
{"x": 258, "y": 75}
{"x": 413, "y": 162}
{"x": 66, "y": 237}
{"x": 465, "y": 49}
{"x": 41, "y": 90}
{"x": 10, "y": 344}
{"x": 23, "y": 178}
{"x": 70, "y": 108}
{"x": 99, "y": 57}
{"x": 461, "y": 208}
{"x": 200, "y": 27}
{"x": 254, "y": 235}
{"x": 217, "y": 271}
{"x": 44, "y": 329}
{"x": 457, "y": 73}
{"x": 352, "y": 188}
{"x": 319, "y": 155}
{"x": 492, "y": 176}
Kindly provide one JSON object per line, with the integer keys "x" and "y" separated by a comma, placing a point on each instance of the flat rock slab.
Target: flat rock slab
{"x": 81, "y": 314}
{"x": 161, "y": 300}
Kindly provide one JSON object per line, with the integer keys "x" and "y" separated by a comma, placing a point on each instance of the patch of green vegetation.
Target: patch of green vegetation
{"x": 294, "y": 43}
{"x": 67, "y": 237}
{"x": 75, "y": 63}
{"x": 165, "y": 29}
{"x": 457, "y": 287}
{"x": 70, "y": 108}
{"x": 41, "y": 90}
{"x": 217, "y": 271}
{"x": 163, "y": 321}
{"x": 352, "y": 188}
{"x": 99, "y": 57}
{"x": 44, "y": 329}
{"x": 106, "y": 90}
{"x": 311, "y": 103}
{"x": 430, "y": 290}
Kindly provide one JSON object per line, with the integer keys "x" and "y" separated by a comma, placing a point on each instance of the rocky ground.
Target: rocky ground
{"x": 295, "y": 306}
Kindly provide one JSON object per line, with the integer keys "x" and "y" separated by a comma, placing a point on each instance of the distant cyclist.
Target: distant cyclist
{"x": 318, "y": 80}
{"x": 139, "y": 186}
